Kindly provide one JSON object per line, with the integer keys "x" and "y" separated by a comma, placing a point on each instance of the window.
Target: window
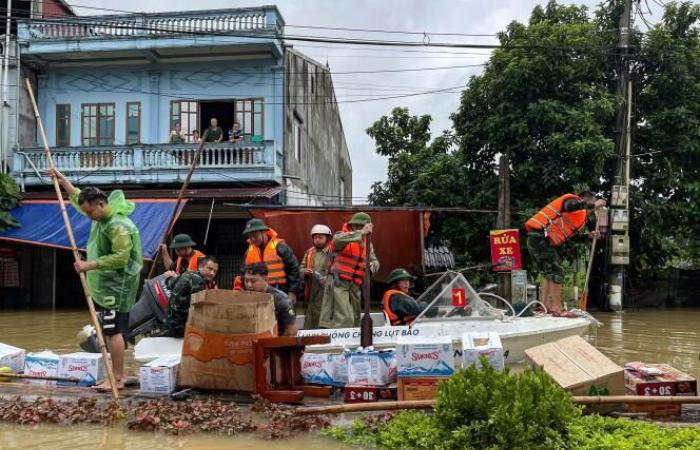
{"x": 133, "y": 123}
{"x": 249, "y": 115}
{"x": 297, "y": 139}
{"x": 62, "y": 125}
{"x": 97, "y": 124}
{"x": 186, "y": 113}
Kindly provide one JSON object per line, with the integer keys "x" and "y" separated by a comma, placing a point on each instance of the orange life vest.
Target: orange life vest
{"x": 393, "y": 318}
{"x": 557, "y": 224}
{"x": 275, "y": 266}
{"x": 193, "y": 262}
{"x": 349, "y": 263}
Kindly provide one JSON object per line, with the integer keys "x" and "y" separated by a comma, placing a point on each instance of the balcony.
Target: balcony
{"x": 152, "y": 164}
{"x": 171, "y": 33}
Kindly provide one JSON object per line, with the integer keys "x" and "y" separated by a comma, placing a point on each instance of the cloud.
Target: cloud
{"x": 457, "y": 16}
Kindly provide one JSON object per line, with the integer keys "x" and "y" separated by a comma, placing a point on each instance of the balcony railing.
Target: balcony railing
{"x": 158, "y": 163}
{"x": 240, "y": 20}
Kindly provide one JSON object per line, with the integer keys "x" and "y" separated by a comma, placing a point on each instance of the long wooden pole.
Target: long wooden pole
{"x": 173, "y": 216}
{"x": 366, "y": 326}
{"x": 74, "y": 247}
{"x": 427, "y": 404}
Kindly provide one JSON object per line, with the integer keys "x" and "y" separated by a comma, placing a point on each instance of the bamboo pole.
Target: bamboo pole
{"x": 37, "y": 377}
{"x": 427, "y": 404}
{"x": 173, "y": 216}
{"x": 74, "y": 247}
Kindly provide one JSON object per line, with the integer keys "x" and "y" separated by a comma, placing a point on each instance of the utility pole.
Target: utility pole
{"x": 503, "y": 279}
{"x": 3, "y": 87}
{"x": 619, "y": 211}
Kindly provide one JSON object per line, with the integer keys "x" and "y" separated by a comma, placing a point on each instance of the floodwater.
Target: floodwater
{"x": 668, "y": 336}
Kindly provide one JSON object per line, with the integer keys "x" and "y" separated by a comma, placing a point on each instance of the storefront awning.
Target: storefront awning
{"x": 42, "y": 224}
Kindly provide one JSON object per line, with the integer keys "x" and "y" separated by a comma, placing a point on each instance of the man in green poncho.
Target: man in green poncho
{"x": 113, "y": 264}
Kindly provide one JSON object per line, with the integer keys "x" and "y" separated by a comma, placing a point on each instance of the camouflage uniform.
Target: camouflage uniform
{"x": 182, "y": 289}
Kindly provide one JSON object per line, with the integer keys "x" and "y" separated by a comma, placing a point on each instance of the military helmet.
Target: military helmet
{"x": 360, "y": 218}
{"x": 254, "y": 225}
{"x": 398, "y": 275}
{"x": 181, "y": 241}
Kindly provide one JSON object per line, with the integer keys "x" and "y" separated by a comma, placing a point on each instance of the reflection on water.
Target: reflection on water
{"x": 669, "y": 336}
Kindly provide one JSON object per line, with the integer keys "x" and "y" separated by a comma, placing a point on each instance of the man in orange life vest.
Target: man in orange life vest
{"x": 314, "y": 267}
{"x": 551, "y": 227}
{"x": 187, "y": 257}
{"x": 264, "y": 246}
{"x": 350, "y": 257}
{"x": 399, "y": 307}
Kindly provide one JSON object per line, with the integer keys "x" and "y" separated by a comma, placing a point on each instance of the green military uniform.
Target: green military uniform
{"x": 213, "y": 134}
{"x": 115, "y": 244}
{"x": 342, "y": 300}
{"x": 178, "y": 309}
{"x": 316, "y": 286}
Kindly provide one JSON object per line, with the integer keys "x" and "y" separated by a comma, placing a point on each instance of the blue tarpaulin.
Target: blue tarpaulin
{"x": 42, "y": 224}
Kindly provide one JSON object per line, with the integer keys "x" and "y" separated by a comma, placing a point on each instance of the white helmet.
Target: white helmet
{"x": 321, "y": 229}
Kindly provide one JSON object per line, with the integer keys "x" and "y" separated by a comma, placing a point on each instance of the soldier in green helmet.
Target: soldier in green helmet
{"x": 399, "y": 307}
{"x": 187, "y": 257}
{"x": 351, "y": 256}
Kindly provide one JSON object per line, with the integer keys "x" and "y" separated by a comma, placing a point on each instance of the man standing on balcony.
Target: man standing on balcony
{"x": 113, "y": 265}
{"x": 214, "y": 133}
{"x": 264, "y": 246}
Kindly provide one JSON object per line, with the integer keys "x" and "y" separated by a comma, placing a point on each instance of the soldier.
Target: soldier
{"x": 204, "y": 278}
{"x": 314, "y": 267}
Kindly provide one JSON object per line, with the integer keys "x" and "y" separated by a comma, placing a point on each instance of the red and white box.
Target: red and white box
{"x": 160, "y": 376}
{"x": 88, "y": 368}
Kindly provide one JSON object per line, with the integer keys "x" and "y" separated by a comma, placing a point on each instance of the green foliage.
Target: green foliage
{"x": 602, "y": 433}
{"x": 9, "y": 199}
{"x": 547, "y": 98}
{"x": 478, "y": 406}
{"x": 489, "y": 409}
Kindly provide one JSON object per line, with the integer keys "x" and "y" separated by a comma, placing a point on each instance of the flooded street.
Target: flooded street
{"x": 670, "y": 336}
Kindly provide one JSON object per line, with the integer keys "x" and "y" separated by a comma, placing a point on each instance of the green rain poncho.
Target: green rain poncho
{"x": 115, "y": 244}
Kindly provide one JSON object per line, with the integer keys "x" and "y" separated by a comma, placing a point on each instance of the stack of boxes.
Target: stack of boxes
{"x": 421, "y": 366}
{"x": 658, "y": 380}
{"x": 370, "y": 376}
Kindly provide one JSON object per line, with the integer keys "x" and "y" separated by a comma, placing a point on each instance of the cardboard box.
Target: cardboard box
{"x": 87, "y": 367}
{"x": 361, "y": 394}
{"x": 423, "y": 388}
{"x": 671, "y": 381}
{"x": 41, "y": 364}
{"x": 578, "y": 367}
{"x": 160, "y": 376}
{"x": 371, "y": 368}
{"x": 217, "y": 350}
{"x": 476, "y": 345}
{"x": 425, "y": 358}
{"x": 325, "y": 368}
{"x": 12, "y": 357}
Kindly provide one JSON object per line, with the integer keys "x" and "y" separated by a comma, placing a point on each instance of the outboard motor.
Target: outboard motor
{"x": 146, "y": 317}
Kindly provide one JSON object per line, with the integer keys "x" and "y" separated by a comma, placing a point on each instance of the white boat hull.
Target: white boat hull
{"x": 516, "y": 335}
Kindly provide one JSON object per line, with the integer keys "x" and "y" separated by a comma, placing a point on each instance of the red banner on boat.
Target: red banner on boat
{"x": 505, "y": 250}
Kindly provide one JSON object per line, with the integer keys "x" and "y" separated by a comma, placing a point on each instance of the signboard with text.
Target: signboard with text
{"x": 505, "y": 250}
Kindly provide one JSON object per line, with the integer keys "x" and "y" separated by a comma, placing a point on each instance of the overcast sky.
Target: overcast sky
{"x": 433, "y": 16}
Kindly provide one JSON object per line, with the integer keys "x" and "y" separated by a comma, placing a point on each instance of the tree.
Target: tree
{"x": 547, "y": 98}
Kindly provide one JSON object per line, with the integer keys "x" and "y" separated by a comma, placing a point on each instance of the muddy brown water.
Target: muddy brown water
{"x": 668, "y": 336}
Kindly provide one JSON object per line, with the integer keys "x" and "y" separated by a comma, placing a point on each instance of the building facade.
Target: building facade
{"x": 111, "y": 89}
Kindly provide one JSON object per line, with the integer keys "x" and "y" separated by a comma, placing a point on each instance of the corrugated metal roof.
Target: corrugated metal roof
{"x": 439, "y": 257}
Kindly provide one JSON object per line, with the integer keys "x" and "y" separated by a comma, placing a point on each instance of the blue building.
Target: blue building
{"x": 111, "y": 90}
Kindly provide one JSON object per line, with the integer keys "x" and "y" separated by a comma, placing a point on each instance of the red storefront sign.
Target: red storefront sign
{"x": 505, "y": 250}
